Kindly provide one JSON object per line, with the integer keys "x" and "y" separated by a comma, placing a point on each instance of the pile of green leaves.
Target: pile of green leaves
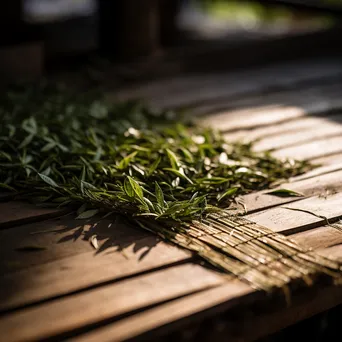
{"x": 60, "y": 148}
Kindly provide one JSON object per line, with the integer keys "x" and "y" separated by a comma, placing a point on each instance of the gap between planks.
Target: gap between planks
{"x": 185, "y": 313}
{"x": 198, "y": 88}
{"x": 101, "y": 304}
{"x": 106, "y": 302}
{"x": 15, "y": 213}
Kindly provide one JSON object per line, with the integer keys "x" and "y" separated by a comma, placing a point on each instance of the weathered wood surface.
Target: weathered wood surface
{"x": 135, "y": 285}
{"x": 15, "y": 213}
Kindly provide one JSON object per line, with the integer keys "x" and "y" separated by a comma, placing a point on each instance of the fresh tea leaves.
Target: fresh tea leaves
{"x": 123, "y": 157}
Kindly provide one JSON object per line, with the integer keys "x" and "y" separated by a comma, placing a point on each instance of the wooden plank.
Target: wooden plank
{"x": 321, "y": 237}
{"x": 106, "y": 302}
{"x": 277, "y": 108}
{"x": 312, "y": 99}
{"x": 65, "y": 238}
{"x": 312, "y": 150}
{"x": 332, "y": 252}
{"x": 286, "y": 221}
{"x": 41, "y": 311}
{"x": 321, "y": 185}
{"x": 15, "y": 213}
{"x": 183, "y": 314}
{"x": 295, "y": 138}
{"x": 197, "y": 88}
{"x": 174, "y": 315}
{"x": 326, "y": 164}
{"x": 180, "y": 313}
{"x": 329, "y": 160}
{"x": 295, "y": 125}
{"x": 86, "y": 270}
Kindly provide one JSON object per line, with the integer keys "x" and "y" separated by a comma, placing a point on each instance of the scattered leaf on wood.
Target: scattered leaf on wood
{"x": 285, "y": 193}
{"x": 94, "y": 242}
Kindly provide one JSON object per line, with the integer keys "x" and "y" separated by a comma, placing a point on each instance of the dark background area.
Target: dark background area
{"x": 161, "y": 37}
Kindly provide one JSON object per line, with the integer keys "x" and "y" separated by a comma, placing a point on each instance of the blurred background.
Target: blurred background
{"x": 37, "y": 35}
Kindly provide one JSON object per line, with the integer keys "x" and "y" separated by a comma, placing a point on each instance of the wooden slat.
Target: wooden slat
{"x": 321, "y": 185}
{"x": 311, "y": 150}
{"x": 107, "y": 302}
{"x": 15, "y": 213}
{"x": 321, "y": 237}
{"x": 277, "y": 130}
{"x": 196, "y": 88}
{"x": 330, "y": 160}
{"x": 63, "y": 238}
{"x": 181, "y": 313}
{"x": 312, "y": 99}
{"x": 254, "y": 113}
{"x": 67, "y": 237}
{"x": 326, "y": 164}
{"x": 294, "y": 138}
{"x": 178, "y": 313}
{"x": 332, "y": 252}
{"x": 59, "y": 309}
{"x": 288, "y": 221}
{"x": 85, "y": 270}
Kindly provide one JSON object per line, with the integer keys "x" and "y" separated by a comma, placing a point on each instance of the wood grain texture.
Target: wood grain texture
{"x": 295, "y": 138}
{"x": 313, "y": 149}
{"x": 286, "y": 221}
{"x": 64, "y": 238}
{"x": 196, "y": 88}
{"x": 323, "y": 185}
{"x": 321, "y": 237}
{"x": 175, "y": 314}
{"x": 107, "y": 302}
{"x": 86, "y": 270}
{"x": 15, "y": 213}
{"x": 320, "y": 170}
{"x": 181, "y": 314}
{"x": 289, "y": 126}
{"x": 332, "y": 252}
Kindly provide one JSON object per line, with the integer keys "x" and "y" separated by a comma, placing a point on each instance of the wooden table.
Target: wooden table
{"x": 56, "y": 286}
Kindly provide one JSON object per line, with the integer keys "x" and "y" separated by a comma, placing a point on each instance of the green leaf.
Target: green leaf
{"x": 136, "y": 188}
{"x": 26, "y": 141}
{"x": 49, "y": 146}
{"x": 47, "y": 171}
{"x": 149, "y": 203}
{"x": 48, "y": 180}
{"x": 125, "y": 161}
{"x": 87, "y": 214}
{"x": 229, "y": 193}
{"x": 173, "y": 159}
{"x": 128, "y": 188}
{"x": 285, "y": 193}
{"x": 6, "y": 186}
{"x": 159, "y": 195}
{"x": 153, "y": 166}
{"x": 82, "y": 209}
{"x": 6, "y": 155}
{"x": 187, "y": 154}
{"x": 87, "y": 185}
{"x": 179, "y": 174}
